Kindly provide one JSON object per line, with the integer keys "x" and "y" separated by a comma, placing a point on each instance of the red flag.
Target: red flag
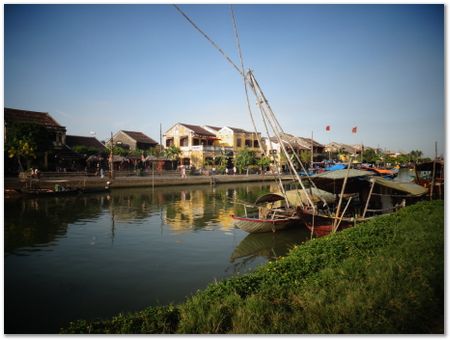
{"x": 327, "y": 128}
{"x": 354, "y": 129}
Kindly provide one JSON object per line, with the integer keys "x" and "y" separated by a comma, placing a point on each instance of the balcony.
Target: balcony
{"x": 207, "y": 148}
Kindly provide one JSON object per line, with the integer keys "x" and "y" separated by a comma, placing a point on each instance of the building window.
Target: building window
{"x": 195, "y": 141}
{"x": 255, "y": 144}
{"x": 184, "y": 141}
{"x": 248, "y": 143}
{"x": 238, "y": 142}
{"x": 169, "y": 142}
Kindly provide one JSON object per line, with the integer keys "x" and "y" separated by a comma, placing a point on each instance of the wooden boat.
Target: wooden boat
{"x": 386, "y": 173}
{"x": 263, "y": 225}
{"x": 363, "y": 197}
{"x": 430, "y": 175}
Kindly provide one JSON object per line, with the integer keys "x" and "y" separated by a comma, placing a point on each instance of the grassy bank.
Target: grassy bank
{"x": 384, "y": 276}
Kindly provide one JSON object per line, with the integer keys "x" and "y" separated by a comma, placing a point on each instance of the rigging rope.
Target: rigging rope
{"x": 208, "y": 38}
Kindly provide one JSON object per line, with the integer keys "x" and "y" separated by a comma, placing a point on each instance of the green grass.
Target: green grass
{"x": 385, "y": 276}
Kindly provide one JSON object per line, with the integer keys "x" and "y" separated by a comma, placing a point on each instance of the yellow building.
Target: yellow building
{"x": 239, "y": 139}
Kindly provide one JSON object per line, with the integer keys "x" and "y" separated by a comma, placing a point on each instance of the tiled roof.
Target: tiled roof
{"x": 213, "y": 127}
{"x": 92, "y": 142}
{"x": 140, "y": 137}
{"x": 198, "y": 130}
{"x": 237, "y": 130}
{"x": 33, "y": 117}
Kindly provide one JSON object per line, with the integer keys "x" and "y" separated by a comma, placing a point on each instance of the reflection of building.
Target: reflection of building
{"x": 195, "y": 210}
{"x": 187, "y": 212}
{"x": 132, "y": 140}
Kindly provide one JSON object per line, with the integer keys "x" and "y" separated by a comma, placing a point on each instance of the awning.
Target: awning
{"x": 405, "y": 187}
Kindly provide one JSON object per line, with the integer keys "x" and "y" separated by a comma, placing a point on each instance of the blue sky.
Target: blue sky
{"x": 133, "y": 67}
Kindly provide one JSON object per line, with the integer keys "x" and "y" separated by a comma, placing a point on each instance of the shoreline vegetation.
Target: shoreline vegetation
{"x": 384, "y": 276}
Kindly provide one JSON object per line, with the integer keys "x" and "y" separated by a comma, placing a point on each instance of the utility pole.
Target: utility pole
{"x": 312, "y": 150}
{"x": 111, "y": 163}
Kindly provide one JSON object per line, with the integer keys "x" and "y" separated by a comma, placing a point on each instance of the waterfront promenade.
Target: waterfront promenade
{"x": 139, "y": 181}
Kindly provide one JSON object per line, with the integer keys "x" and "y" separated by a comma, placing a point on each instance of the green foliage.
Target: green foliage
{"x": 371, "y": 156}
{"x": 137, "y": 153}
{"x": 172, "y": 152}
{"x": 27, "y": 141}
{"x": 86, "y": 150}
{"x": 264, "y": 162}
{"x": 152, "y": 320}
{"x": 305, "y": 156}
{"x": 120, "y": 150}
{"x": 385, "y": 276}
{"x": 244, "y": 158}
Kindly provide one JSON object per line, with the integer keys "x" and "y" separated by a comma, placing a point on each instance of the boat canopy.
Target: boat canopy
{"x": 269, "y": 198}
{"x": 428, "y": 166}
{"x": 316, "y": 195}
{"x": 405, "y": 187}
{"x": 332, "y": 181}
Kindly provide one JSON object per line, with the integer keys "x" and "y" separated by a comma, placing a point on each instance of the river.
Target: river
{"x": 95, "y": 256}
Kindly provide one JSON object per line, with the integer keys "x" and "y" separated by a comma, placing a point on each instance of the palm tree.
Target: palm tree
{"x": 172, "y": 152}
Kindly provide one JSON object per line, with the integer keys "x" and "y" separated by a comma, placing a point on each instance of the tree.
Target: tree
{"x": 26, "y": 141}
{"x": 370, "y": 156}
{"x": 244, "y": 158}
{"x": 120, "y": 150}
{"x": 305, "y": 156}
{"x": 415, "y": 155}
{"x": 264, "y": 162}
{"x": 172, "y": 152}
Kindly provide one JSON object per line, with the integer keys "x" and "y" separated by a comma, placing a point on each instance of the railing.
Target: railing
{"x": 211, "y": 148}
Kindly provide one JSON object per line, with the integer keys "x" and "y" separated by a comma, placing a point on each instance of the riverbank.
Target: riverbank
{"x": 12, "y": 183}
{"x": 385, "y": 276}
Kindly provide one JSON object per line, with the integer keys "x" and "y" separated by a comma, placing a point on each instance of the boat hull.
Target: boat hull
{"x": 256, "y": 225}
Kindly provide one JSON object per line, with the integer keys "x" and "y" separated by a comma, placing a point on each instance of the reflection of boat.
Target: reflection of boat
{"x": 269, "y": 245}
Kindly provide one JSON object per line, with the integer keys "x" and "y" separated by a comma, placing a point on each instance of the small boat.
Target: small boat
{"x": 256, "y": 224}
{"x": 48, "y": 192}
{"x": 267, "y": 218}
{"x": 385, "y": 173}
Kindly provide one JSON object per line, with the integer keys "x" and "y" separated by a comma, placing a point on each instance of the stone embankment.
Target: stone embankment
{"x": 138, "y": 181}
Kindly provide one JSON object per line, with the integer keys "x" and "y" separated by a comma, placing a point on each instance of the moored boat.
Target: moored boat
{"x": 259, "y": 225}
{"x": 48, "y": 192}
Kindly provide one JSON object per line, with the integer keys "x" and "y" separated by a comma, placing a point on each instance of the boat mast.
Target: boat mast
{"x": 268, "y": 114}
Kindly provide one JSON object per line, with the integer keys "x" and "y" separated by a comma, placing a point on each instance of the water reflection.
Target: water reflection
{"x": 101, "y": 254}
{"x": 267, "y": 245}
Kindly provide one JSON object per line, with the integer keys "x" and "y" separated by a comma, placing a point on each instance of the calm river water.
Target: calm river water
{"x": 94, "y": 256}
